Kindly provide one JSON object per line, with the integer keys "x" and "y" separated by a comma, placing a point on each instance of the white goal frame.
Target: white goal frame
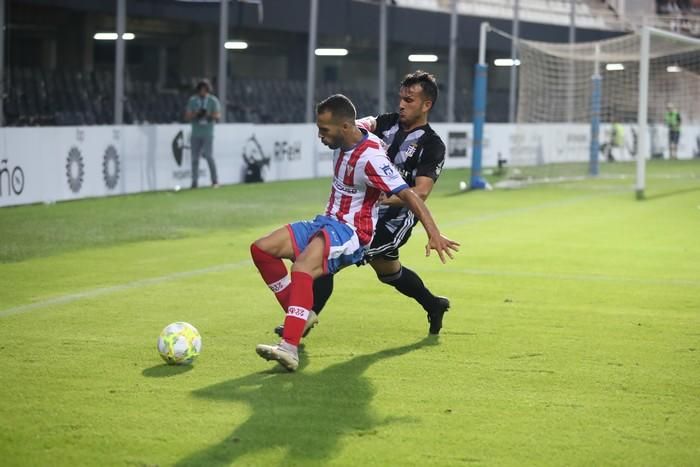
{"x": 642, "y": 110}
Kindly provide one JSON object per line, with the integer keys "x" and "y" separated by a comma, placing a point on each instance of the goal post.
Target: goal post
{"x": 476, "y": 182}
{"x": 645, "y": 57}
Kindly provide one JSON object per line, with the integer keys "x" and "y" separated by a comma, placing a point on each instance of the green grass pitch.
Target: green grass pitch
{"x": 573, "y": 339}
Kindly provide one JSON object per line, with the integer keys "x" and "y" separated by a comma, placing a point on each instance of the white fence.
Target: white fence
{"x": 64, "y": 163}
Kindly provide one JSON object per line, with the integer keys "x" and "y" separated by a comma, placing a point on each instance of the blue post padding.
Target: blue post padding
{"x": 595, "y": 125}
{"x": 476, "y": 182}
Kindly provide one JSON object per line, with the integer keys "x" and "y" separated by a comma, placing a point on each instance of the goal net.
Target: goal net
{"x": 588, "y": 92}
{"x": 556, "y": 82}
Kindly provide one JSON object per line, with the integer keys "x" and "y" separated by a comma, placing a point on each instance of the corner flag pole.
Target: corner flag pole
{"x": 476, "y": 182}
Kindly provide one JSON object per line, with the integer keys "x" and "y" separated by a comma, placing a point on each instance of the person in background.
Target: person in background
{"x": 673, "y": 122}
{"x": 617, "y": 140}
{"x": 203, "y": 110}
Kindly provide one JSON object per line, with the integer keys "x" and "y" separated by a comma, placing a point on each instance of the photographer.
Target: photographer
{"x": 203, "y": 109}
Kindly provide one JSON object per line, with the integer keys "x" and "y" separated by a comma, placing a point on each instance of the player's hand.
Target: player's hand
{"x": 443, "y": 246}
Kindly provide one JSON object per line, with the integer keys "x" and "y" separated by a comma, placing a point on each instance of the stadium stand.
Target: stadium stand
{"x": 588, "y": 12}
{"x": 37, "y": 93}
{"x": 69, "y": 97}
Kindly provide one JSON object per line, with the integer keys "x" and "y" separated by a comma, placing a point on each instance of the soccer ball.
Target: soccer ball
{"x": 179, "y": 343}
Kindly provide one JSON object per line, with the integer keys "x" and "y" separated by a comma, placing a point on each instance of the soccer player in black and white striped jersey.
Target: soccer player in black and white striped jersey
{"x": 419, "y": 153}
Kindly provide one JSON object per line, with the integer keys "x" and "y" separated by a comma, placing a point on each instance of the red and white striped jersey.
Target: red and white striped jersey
{"x": 361, "y": 174}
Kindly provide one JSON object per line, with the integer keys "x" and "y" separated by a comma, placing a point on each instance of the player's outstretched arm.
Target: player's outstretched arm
{"x": 436, "y": 241}
{"x": 424, "y": 185}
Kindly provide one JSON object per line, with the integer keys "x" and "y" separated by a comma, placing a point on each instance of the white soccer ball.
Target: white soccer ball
{"x": 179, "y": 343}
{"x": 462, "y": 185}
{"x": 176, "y": 188}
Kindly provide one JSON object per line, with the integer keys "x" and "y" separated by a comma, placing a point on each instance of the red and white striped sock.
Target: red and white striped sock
{"x": 301, "y": 299}
{"x": 274, "y": 273}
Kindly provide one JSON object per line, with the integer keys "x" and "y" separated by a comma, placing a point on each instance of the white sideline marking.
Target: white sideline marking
{"x": 63, "y": 299}
{"x": 569, "y": 277}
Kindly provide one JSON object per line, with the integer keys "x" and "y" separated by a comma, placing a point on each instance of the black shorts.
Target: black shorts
{"x": 674, "y": 136}
{"x": 393, "y": 230}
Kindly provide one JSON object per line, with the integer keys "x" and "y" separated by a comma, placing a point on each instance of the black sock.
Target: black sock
{"x": 323, "y": 288}
{"x": 408, "y": 283}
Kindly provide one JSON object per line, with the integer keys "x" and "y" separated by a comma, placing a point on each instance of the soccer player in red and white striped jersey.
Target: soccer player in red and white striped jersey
{"x": 339, "y": 237}
{"x": 361, "y": 174}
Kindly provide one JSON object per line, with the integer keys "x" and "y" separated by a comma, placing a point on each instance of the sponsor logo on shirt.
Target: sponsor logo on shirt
{"x": 343, "y": 188}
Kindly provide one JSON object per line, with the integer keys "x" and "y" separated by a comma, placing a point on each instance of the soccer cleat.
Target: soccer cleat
{"x": 310, "y": 323}
{"x": 285, "y": 354}
{"x": 436, "y": 312}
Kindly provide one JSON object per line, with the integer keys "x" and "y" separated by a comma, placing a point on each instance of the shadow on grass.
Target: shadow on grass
{"x": 166, "y": 371}
{"x": 304, "y": 414}
{"x": 673, "y": 193}
{"x": 452, "y": 194}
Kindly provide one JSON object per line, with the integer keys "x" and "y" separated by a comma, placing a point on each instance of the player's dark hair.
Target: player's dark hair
{"x": 339, "y": 106}
{"x": 427, "y": 83}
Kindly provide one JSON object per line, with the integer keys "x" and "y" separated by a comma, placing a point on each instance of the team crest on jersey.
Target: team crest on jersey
{"x": 349, "y": 170}
{"x": 411, "y": 150}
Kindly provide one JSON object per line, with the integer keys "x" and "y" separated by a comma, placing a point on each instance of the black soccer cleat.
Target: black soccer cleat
{"x": 436, "y": 312}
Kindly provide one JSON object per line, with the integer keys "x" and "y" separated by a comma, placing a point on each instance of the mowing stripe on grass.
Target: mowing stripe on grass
{"x": 63, "y": 299}
{"x": 522, "y": 210}
{"x": 568, "y": 277}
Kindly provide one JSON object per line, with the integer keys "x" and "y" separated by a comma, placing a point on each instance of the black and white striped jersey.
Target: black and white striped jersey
{"x": 418, "y": 153}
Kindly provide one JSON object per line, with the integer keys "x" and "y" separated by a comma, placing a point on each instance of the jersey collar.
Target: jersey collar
{"x": 365, "y": 135}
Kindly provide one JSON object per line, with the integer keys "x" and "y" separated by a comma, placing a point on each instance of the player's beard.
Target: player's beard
{"x": 332, "y": 144}
{"x": 409, "y": 120}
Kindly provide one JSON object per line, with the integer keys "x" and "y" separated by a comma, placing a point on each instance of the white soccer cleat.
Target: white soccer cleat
{"x": 310, "y": 322}
{"x": 285, "y": 354}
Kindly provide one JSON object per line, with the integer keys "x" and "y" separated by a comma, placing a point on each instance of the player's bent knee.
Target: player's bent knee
{"x": 312, "y": 268}
{"x": 385, "y": 267}
{"x": 260, "y": 244}
{"x": 301, "y": 266}
{"x": 277, "y": 243}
